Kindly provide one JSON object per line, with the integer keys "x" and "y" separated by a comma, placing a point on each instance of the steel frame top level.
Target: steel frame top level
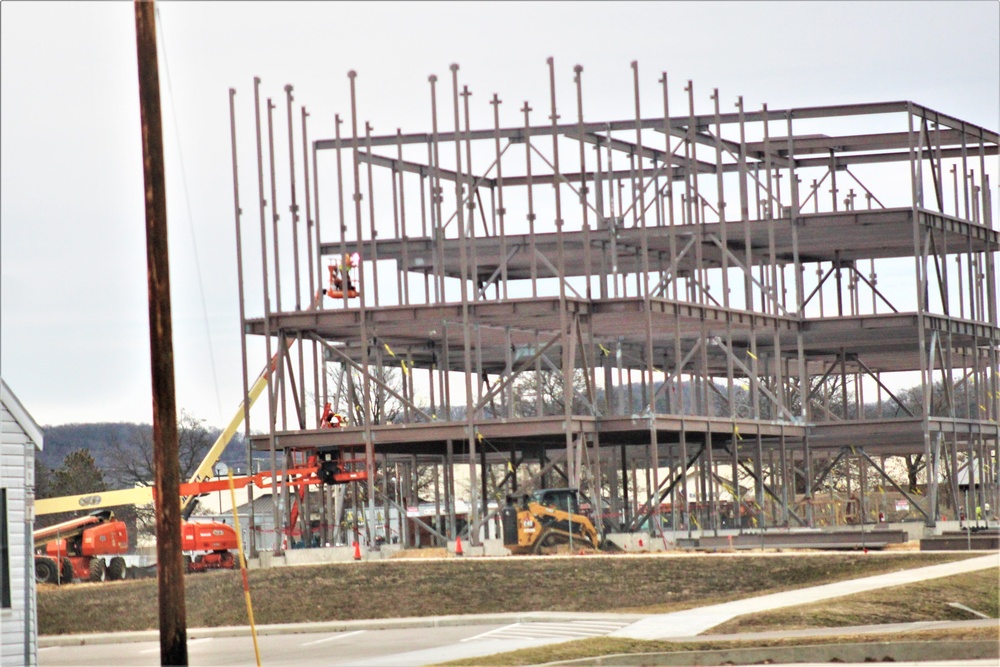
{"x": 844, "y": 236}
{"x": 891, "y": 146}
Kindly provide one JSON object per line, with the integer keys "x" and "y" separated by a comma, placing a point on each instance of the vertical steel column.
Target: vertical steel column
{"x": 648, "y": 376}
{"x": 470, "y": 433}
{"x": 272, "y": 369}
{"x": 734, "y": 442}
{"x": 293, "y": 207}
{"x": 342, "y": 260}
{"x": 483, "y": 475}
{"x": 371, "y": 221}
{"x": 449, "y": 488}
{"x": 397, "y": 208}
{"x": 567, "y": 342}
{"x": 626, "y": 514}
{"x": 526, "y": 110}
{"x": 437, "y": 226}
{"x": 501, "y": 212}
{"x": 404, "y": 232}
{"x": 584, "y": 190}
{"x": 314, "y": 294}
{"x": 926, "y": 381}
{"x": 300, "y": 411}
{"x": 363, "y": 317}
{"x": 470, "y": 199}
{"x": 251, "y": 542}
{"x": 745, "y": 211}
{"x": 697, "y": 280}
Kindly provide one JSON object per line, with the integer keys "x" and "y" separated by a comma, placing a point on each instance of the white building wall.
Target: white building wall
{"x": 19, "y": 436}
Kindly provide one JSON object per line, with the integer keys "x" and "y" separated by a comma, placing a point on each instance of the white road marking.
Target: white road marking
{"x": 551, "y": 630}
{"x": 340, "y": 635}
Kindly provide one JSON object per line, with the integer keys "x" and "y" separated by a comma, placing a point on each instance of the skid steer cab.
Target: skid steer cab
{"x": 542, "y": 521}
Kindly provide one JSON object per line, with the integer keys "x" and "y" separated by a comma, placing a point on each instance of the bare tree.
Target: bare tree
{"x": 132, "y": 464}
{"x": 345, "y": 397}
{"x": 542, "y": 392}
{"x": 132, "y": 460}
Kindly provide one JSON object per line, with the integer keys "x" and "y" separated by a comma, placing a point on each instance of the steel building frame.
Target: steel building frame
{"x": 695, "y": 274}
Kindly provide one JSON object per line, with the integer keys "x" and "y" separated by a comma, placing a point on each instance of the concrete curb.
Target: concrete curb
{"x": 813, "y": 653}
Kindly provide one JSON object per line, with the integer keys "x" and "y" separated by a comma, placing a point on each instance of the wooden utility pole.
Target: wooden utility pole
{"x": 170, "y": 571}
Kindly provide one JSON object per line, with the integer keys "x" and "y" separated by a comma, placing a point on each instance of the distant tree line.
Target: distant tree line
{"x": 92, "y": 458}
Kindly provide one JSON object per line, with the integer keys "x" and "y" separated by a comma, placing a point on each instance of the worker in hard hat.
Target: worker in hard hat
{"x": 341, "y": 274}
{"x": 331, "y": 419}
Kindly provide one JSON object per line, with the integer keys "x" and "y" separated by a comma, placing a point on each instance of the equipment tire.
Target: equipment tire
{"x": 45, "y": 571}
{"x": 187, "y": 563}
{"x": 116, "y": 568}
{"x": 98, "y": 570}
{"x": 67, "y": 571}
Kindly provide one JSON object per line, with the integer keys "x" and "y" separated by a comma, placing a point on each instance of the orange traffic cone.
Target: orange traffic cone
{"x": 458, "y": 546}
{"x": 357, "y": 550}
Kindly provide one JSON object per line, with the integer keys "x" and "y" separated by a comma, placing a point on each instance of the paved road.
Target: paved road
{"x": 406, "y": 647}
{"x": 412, "y": 642}
{"x": 302, "y": 650}
{"x": 362, "y": 648}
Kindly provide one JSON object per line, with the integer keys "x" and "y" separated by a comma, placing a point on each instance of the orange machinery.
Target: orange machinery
{"x": 75, "y": 549}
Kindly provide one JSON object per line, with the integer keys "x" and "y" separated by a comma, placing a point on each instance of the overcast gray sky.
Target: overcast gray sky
{"x": 73, "y": 315}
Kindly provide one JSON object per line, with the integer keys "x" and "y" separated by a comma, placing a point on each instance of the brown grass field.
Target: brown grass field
{"x": 370, "y": 590}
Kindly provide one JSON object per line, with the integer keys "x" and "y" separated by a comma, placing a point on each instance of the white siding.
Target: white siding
{"x": 17, "y": 472}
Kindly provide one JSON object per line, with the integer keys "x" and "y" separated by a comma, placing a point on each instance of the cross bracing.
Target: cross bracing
{"x": 738, "y": 294}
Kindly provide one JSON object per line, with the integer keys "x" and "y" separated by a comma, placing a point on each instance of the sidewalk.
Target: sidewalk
{"x": 693, "y": 622}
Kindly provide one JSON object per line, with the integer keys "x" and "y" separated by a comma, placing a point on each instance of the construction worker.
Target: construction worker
{"x": 342, "y": 274}
{"x": 331, "y": 419}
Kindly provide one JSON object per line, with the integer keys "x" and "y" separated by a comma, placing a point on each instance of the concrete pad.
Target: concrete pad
{"x": 696, "y": 621}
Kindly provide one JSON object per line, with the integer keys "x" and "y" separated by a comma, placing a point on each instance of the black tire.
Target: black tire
{"x": 98, "y": 570}
{"x": 187, "y": 563}
{"x": 67, "y": 571}
{"x": 46, "y": 571}
{"x": 116, "y": 569}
